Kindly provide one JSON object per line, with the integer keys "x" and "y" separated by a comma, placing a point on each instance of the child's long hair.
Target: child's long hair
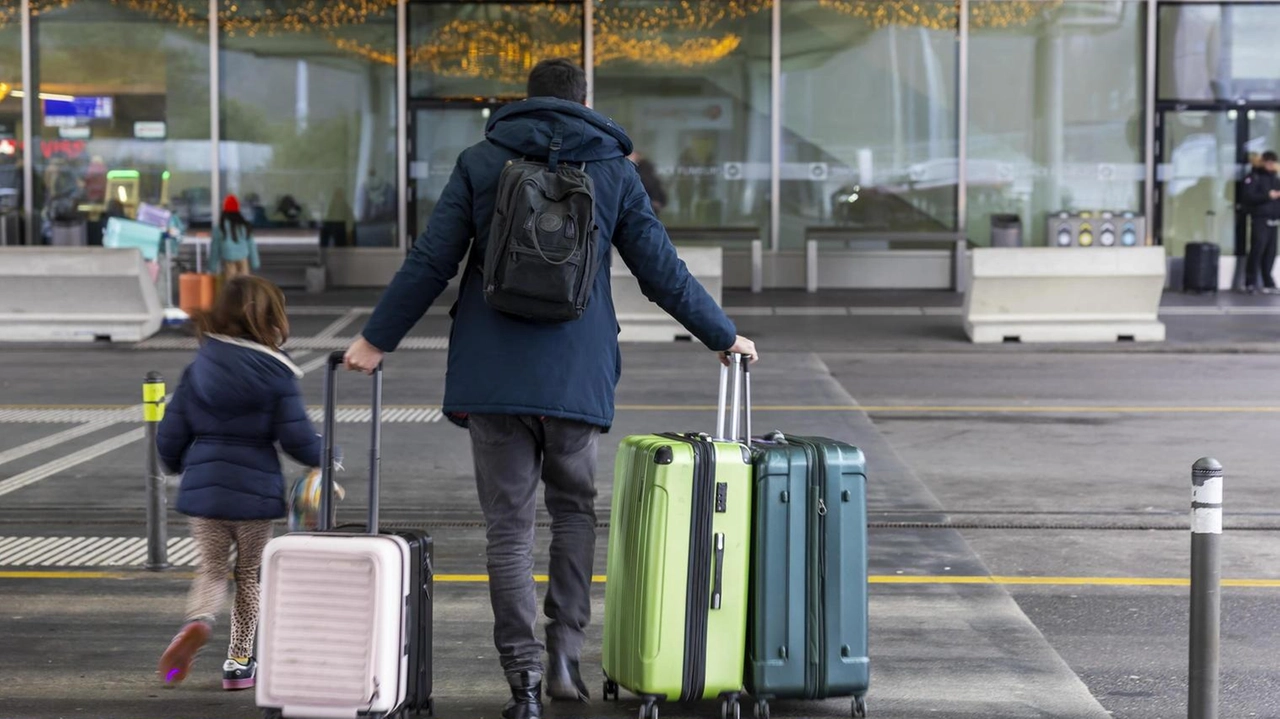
{"x": 248, "y": 308}
{"x": 231, "y": 221}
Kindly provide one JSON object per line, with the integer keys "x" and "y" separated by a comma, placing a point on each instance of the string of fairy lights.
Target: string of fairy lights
{"x": 487, "y": 44}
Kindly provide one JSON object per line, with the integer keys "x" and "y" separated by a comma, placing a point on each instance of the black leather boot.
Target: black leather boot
{"x": 563, "y": 680}
{"x": 526, "y": 696}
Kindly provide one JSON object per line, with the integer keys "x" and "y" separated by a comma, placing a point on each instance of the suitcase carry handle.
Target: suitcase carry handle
{"x": 740, "y": 369}
{"x": 327, "y": 510}
{"x": 717, "y": 590}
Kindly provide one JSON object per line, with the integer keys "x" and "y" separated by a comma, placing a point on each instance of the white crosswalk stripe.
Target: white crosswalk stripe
{"x": 36, "y": 415}
{"x": 318, "y": 342}
{"x": 53, "y": 552}
{"x": 390, "y": 415}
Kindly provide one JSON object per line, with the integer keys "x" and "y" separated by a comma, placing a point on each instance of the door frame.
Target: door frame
{"x": 411, "y": 149}
{"x": 413, "y": 104}
{"x": 1224, "y": 107}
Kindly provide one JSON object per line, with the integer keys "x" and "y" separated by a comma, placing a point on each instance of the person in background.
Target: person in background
{"x": 115, "y": 208}
{"x": 257, "y": 215}
{"x": 652, "y": 184}
{"x": 95, "y": 181}
{"x": 235, "y": 402}
{"x": 1261, "y": 189}
{"x": 339, "y": 219}
{"x": 232, "y": 250}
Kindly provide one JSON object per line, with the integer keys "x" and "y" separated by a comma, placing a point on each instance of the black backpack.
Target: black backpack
{"x": 542, "y": 257}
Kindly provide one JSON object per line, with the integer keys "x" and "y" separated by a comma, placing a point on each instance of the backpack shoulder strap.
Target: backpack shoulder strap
{"x": 557, "y": 138}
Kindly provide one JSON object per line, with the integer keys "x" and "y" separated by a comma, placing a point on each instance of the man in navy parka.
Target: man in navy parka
{"x": 536, "y": 396}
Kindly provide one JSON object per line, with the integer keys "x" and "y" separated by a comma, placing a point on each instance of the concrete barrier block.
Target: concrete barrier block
{"x": 1049, "y": 294}
{"x": 643, "y": 321}
{"x": 76, "y": 294}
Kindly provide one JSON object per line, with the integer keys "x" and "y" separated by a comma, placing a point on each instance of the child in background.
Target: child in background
{"x": 234, "y": 403}
{"x": 231, "y": 248}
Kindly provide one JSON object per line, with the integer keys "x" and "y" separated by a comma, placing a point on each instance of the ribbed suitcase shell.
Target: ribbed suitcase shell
{"x": 809, "y": 571}
{"x": 345, "y": 619}
{"x": 331, "y": 637}
{"x": 646, "y": 597}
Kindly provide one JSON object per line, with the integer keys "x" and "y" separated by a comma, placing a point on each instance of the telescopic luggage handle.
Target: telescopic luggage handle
{"x": 336, "y": 360}
{"x": 739, "y": 368}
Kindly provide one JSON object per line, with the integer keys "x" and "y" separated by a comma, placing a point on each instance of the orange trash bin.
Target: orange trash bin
{"x": 195, "y": 292}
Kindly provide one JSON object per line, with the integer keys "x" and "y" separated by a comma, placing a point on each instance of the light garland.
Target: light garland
{"x": 652, "y": 51}
{"x": 505, "y": 55}
{"x": 943, "y": 14}
{"x": 497, "y": 50}
{"x": 619, "y": 17}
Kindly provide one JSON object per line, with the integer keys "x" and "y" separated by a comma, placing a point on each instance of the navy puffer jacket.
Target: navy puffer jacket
{"x": 234, "y": 403}
{"x": 500, "y": 365}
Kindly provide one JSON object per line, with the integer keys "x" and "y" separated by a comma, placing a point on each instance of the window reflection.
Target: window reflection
{"x": 1218, "y": 52}
{"x": 122, "y": 113}
{"x": 308, "y": 99}
{"x": 1055, "y": 113}
{"x": 486, "y": 50}
{"x": 690, "y": 84}
{"x": 869, "y": 116}
{"x": 11, "y": 151}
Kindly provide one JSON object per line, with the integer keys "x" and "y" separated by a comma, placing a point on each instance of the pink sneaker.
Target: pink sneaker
{"x": 176, "y": 661}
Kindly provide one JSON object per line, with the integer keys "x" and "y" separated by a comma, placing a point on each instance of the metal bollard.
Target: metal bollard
{"x": 157, "y": 536}
{"x": 1206, "y": 600}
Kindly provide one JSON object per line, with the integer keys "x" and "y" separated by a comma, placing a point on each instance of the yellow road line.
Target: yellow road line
{"x": 1067, "y": 409}
{"x": 874, "y": 579}
{"x": 964, "y": 409}
{"x": 62, "y": 407}
{"x": 71, "y": 575}
{"x": 873, "y": 409}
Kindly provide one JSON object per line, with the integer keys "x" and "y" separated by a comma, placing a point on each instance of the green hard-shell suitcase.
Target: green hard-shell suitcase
{"x": 808, "y": 626}
{"x": 675, "y": 618}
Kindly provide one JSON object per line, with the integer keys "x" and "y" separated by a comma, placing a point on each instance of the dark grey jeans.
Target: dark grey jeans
{"x": 512, "y": 453}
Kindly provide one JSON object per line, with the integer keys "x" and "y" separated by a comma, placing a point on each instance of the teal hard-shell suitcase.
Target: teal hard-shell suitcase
{"x": 808, "y": 606}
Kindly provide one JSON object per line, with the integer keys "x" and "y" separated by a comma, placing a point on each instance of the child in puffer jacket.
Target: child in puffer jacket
{"x": 235, "y": 402}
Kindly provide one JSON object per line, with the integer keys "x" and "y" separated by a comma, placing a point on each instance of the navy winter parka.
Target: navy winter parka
{"x": 501, "y": 365}
{"x": 234, "y": 403}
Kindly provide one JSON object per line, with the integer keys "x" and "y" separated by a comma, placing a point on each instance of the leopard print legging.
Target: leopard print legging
{"x": 214, "y": 538}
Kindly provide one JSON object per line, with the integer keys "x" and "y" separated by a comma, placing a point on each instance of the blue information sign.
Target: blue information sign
{"x": 84, "y": 108}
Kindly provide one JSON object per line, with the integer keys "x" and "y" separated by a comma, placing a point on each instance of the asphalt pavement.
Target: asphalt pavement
{"x": 1029, "y": 506}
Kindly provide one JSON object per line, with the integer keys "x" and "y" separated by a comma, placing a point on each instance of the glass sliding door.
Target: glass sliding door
{"x": 1196, "y": 178}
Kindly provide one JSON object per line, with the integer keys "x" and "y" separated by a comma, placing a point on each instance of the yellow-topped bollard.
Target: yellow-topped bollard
{"x": 153, "y": 395}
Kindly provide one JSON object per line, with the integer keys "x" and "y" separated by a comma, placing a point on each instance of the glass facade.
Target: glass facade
{"x": 11, "y": 147}
{"x": 121, "y": 116}
{"x": 694, "y": 97}
{"x": 773, "y": 116}
{"x": 1218, "y": 106}
{"x": 869, "y": 111}
{"x": 1056, "y": 100}
{"x": 308, "y": 113}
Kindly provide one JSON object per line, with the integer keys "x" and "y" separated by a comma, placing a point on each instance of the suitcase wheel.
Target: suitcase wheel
{"x": 762, "y": 709}
{"x": 272, "y": 714}
{"x": 649, "y": 709}
{"x": 730, "y": 707}
{"x": 859, "y": 708}
{"x": 610, "y": 690}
